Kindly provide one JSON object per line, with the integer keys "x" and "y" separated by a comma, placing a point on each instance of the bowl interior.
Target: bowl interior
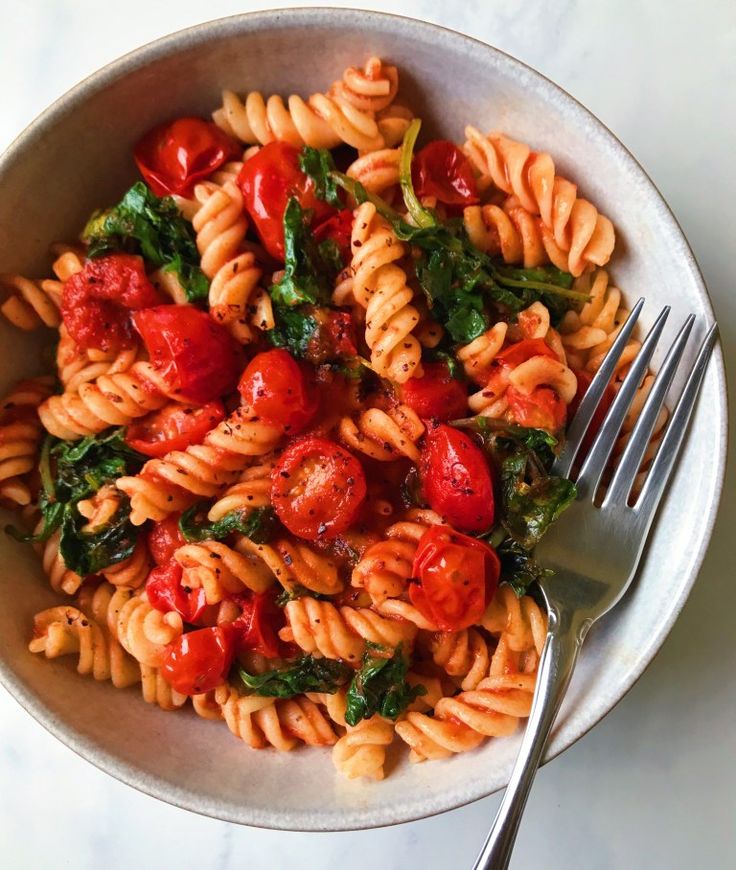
{"x": 86, "y": 137}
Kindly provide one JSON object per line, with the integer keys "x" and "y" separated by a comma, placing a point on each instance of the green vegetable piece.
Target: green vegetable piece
{"x": 294, "y": 330}
{"x": 422, "y": 217}
{"x": 90, "y": 552}
{"x": 306, "y": 675}
{"x": 318, "y": 164}
{"x": 259, "y": 525}
{"x": 380, "y": 686}
{"x": 143, "y": 223}
{"x": 518, "y": 567}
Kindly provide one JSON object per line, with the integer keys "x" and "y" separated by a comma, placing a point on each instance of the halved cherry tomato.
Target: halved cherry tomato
{"x": 256, "y": 628}
{"x": 334, "y": 336}
{"x": 521, "y": 351}
{"x": 165, "y": 593}
{"x": 197, "y": 357}
{"x": 174, "y": 156}
{"x": 584, "y": 380}
{"x": 457, "y": 577}
{"x": 338, "y": 228}
{"x": 175, "y": 427}
{"x": 541, "y": 409}
{"x": 199, "y": 660}
{"x": 441, "y": 169}
{"x": 279, "y": 390}
{"x": 164, "y": 539}
{"x": 268, "y": 181}
{"x": 436, "y": 394}
{"x": 97, "y": 301}
{"x": 318, "y": 488}
{"x": 456, "y": 479}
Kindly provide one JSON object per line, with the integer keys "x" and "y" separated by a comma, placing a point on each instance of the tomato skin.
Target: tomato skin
{"x": 542, "y": 409}
{"x": 521, "y": 351}
{"x": 279, "y": 390}
{"x": 457, "y": 577}
{"x": 609, "y": 394}
{"x": 436, "y": 395}
{"x": 165, "y": 592}
{"x": 317, "y": 488}
{"x": 441, "y": 170}
{"x": 339, "y": 228}
{"x": 197, "y": 357}
{"x": 198, "y": 661}
{"x": 96, "y": 302}
{"x": 268, "y": 181}
{"x": 255, "y": 629}
{"x": 175, "y": 427}
{"x": 174, "y": 156}
{"x": 164, "y": 539}
{"x": 456, "y": 479}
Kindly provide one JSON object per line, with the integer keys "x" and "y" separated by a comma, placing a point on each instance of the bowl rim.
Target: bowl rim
{"x": 185, "y": 798}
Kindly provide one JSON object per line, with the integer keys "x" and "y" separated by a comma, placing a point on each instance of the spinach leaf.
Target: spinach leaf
{"x": 531, "y": 506}
{"x": 294, "y": 329}
{"x": 259, "y": 525}
{"x": 318, "y": 164}
{"x": 306, "y": 675}
{"x": 90, "y": 552}
{"x": 143, "y": 223}
{"x": 518, "y": 567}
{"x": 297, "y": 591}
{"x": 380, "y": 686}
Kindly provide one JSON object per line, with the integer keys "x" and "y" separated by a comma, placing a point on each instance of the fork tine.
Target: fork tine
{"x": 675, "y": 433}
{"x": 584, "y": 415}
{"x": 592, "y": 470}
{"x": 628, "y": 466}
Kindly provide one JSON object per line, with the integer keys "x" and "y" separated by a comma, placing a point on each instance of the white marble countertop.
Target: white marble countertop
{"x": 652, "y": 785}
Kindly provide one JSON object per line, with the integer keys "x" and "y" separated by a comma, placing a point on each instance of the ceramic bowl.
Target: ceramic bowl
{"x": 76, "y": 157}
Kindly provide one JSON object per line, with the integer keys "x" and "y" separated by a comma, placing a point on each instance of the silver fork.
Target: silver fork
{"x": 594, "y": 550}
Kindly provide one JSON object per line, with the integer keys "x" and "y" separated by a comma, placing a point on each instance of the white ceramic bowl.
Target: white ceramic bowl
{"x": 76, "y": 157}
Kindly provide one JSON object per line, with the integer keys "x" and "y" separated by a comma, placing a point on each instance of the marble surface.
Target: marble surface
{"x": 652, "y": 785}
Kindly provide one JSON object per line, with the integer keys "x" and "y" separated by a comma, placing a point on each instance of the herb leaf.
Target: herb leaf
{"x": 143, "y": 223}
{"x": 318, "y": 164}
{"x": 259, "y": 525}
{"x": 306, "y": 675}
{"x": 294, "y": 330}
{"x": 380, "y": 686}
{"x": 518, "y": 567}
{"x": 306, "y": 278}
{"x": 90, "y": 552}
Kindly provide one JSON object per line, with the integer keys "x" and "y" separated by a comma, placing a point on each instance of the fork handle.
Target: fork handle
{"x": 564, "y": 639}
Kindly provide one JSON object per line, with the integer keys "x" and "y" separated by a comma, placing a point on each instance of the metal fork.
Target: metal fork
{"x": 594, "y": 550}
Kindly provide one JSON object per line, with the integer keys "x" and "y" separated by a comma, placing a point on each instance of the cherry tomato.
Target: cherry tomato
{"x": 197, "y": 357}
{"x": 165, "y": 593}
{"x": 199, "y": 660}
{"x": 268, "y": 181}
{"x": 164, "y": 539}
{"x": 436, "y": 394}
{"x": 174, "y": 156}
{"x": 173, "y": 428}
{"x": 457, "y": 576}
{"x": 456, "y": 479}
{"x": 609, "y": 394}
{"x": 255, "y": 629}
{"x": 279, "y": 390}
{"x": 97, "y": 301}
{"x": 334, "y": 336}
{"x": 521, "y": 351}
{"x": 338, "y": 228}
{"x": 318, "y": 488}
{"x": 441, "y": 169}
{"x": 541, "y": 409}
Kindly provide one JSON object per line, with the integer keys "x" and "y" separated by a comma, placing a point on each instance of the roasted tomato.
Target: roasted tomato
{"x": 455, "y": 577}
{"x": 456, "y": 479}
{"x": 441, "y": 170}
{"x": 268, "y": 181}
{"x": 436, "y": 394}
{"x": 97, "y": 301}
{"x": 165, "y": 593}
{"x": 338, "y": 228}
{"x": 318, "y": 488}
{"x": 173, "y": 428}
{"x": 584, "y": 380}
{"x": 256, "y": 628}
{"x": 521, "y": 351}
{"x": 164, "y": 539}
{"x": 197, "y": 357}
{"x": 199, "y": 661}
{"x": 174, "y": 156}
{"x": 280, "y": 390}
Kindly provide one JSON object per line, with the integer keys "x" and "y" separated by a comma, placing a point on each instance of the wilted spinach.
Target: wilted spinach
{"x": 259, "y": 525}
{"x": 306, "y": 675}
{"x": 380, "y": 686}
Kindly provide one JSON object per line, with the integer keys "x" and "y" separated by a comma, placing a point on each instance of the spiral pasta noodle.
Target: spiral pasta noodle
{"x": 65, "y": 630}
{"x": 251, "y": 491}
{"x": 383, "y": 435}
{"x": 221, "y": 570}
{"x": 77, "y": 367}
{"x": 464, "y": 654}
{"x": 296, "y": 565}
{"x": 574, "y": 224}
